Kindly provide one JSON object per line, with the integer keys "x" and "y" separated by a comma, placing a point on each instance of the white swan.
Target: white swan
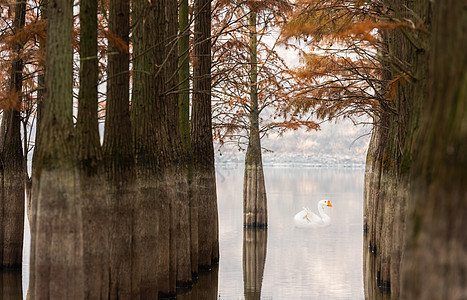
{"x": 307, "y": 219}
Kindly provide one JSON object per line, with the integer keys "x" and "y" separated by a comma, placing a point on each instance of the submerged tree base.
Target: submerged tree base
{"x": 254, "y": 197}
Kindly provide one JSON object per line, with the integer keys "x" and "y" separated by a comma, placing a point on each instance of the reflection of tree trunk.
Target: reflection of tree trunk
{"x": 254, "y": 259}
{"x": 254, "y": 190}
{"x": 10, "y": 285}
{"x": 206, "y": 287}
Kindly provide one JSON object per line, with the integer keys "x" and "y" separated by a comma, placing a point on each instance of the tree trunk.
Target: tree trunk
{"x": 160, "y": 182}
{"x": 148, "y": 238}
{"x": 57, "y": 235}
{"x": 255, "y": 214}
{"x": 32, "y": 199}
{"x": 204, "y": 180}
{"x": 119, "y": 160}
{"x": 435, "y": 260}
{"x": 178, "y": 185}
{"x": 92, "y": 188}
{"x": 254, "y": 258}
{"x": 12, "y": 167}
{"x": 184, "y": 116}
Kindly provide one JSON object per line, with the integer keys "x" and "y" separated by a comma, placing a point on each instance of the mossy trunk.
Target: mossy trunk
{"x": 254, "y": 259}
{"x": 92, "y": 184}
{"x": 119, "y": 160}
{"x": 255, "y": 212}
{"x": 434, "y": 263}
{"x": 12, "y": 167}
{"x": 204, "y": 177}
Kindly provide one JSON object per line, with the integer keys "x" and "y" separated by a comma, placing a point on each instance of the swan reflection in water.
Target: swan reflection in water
{"x": 254, "y": 259}
{"x": 307, "y": 219}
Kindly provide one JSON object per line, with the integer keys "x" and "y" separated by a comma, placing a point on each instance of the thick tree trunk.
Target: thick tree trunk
{"x": 56, "y": 236}
{"x": 12, "y": 168}
{"x": 204, "y": 180}
{"x": 149, "y": 239}
{"x": 434, "y": 264}
{"x": 254, "y": 258}
{"x": 417, "y": 249}
{"x": 389, "y": 155}
{"x": 255, "y": 214}
{"x": 92, "y": 185}
{"x": 119, "y": 160}
{"x": 161, "y": 180}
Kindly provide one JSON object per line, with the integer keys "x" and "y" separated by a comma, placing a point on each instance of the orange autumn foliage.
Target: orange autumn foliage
{"x": 277, "y": 85}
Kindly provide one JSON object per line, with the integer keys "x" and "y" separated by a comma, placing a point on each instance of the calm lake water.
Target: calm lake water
{"x": 322, "y": 263}
{"x": 282, "y": 262}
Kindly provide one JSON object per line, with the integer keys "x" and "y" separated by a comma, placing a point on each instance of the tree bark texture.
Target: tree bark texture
{"x": 56, "y": 236}
{"x": 162, "y": 220}
{"x": 255, "y": 214}
{"x": 90, "y": 164}
{"x": 119, "y": 160}
{"x": 12, "y": 167}
{"x": 204, "y": 180}
{"x": 149, "y": 239}
{"x": 420, "y": 253}
{"x": 254, "y": 259}
{"x": 10, "y": 285}
{"x": 184, "y": 117}
{"x": 178, "y": 184}
{"x": 434, "y": 263}
{"x": 32, "y": 199}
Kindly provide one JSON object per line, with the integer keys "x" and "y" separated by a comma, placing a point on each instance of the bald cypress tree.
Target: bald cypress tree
{"x": 12, "y": 168}
{"x": 119, "y": 158}
{"x": 56, "y": 236}
{"x": 204, "y": 179}
{"x": 89, "y": 159}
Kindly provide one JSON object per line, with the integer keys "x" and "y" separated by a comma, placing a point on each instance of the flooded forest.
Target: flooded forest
{"x": 111, "y": 110}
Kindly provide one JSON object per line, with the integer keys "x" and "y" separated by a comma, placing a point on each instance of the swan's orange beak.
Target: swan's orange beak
{"x": 329, "y": 203}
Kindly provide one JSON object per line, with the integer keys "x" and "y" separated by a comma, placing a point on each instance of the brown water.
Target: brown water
{"x": 282, "y": 262}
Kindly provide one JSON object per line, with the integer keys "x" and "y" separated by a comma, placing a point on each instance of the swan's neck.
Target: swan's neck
{"x": 321, "y": 211}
